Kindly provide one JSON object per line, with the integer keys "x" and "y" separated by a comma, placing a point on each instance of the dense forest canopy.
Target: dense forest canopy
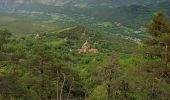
{"x": 84, "y": 50}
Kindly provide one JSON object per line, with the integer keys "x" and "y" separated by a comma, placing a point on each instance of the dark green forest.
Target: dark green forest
{"x": 48, "y": 66}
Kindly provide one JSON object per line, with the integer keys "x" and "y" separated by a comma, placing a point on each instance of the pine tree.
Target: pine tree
{"x": 159, "y": 42}
{"x": 10, "y": 57}
{"x": 156, "y": 49}
{"x": 108, "y": 72}
{"x": 39, "y": 59}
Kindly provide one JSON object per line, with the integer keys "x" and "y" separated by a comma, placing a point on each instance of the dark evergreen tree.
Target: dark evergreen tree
{"x": 39, "y": 62}
{"x": 109, "y": 72}
{"x": 156, "y": 50}
{"x": 159, "y": 42}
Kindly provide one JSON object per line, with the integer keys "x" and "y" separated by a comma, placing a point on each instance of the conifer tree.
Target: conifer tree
{"x": 156, "y": 49}
{"x": 108, "y": 72}
{"x": 159, "y": 42}
{"x": 39, "y": 58}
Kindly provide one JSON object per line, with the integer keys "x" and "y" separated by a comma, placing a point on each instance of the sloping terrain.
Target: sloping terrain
{"x": 135, "y": 14}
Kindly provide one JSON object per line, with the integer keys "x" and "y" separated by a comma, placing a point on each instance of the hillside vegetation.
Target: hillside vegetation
{"x": 48, "y": 66}
{"x": 84, "y": 50}
{"x": 134, "y": 13}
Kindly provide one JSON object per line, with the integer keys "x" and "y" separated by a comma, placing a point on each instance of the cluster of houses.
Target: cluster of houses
{"x": 136, "y": 40}
{"x": 85, "y": 48}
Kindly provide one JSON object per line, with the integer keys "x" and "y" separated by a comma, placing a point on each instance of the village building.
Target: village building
{"x": 85, "y": 48}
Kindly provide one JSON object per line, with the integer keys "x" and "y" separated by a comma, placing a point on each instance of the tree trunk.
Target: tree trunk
{"x": 165, "y": 60}
{"x": 109, "y": 94}
{"x": 57, "y": 85}
{"x": 166, "y": 57}
{"x": 42, "y": 80}
{"x": 62, "y": 87}
{"x": 70, "y": 89}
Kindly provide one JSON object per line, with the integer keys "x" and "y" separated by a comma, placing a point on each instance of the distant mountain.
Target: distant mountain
{"x": 133, "y": 13}
{"x": 112, "y": 3}
{"x": 116, "y": 3}
{"x": 78, "y": 3}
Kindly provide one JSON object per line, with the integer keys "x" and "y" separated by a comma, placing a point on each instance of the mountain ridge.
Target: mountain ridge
{"x": 88, "y": 3}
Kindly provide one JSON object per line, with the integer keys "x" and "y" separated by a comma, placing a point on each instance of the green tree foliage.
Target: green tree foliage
{"x": 158, "y": 44}
{"x": 47, "y": 66}
{"x": 10, "y": 87}
{"x": 4, "y": 37}
{"x": 11, "y": 84}
{"x": 156, "y": 50}
{"x": 108, "y": 73}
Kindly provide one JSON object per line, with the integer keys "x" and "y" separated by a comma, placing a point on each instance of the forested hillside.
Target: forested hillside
{"x": 84, "y": 49}
{"x": 81, "y": 63}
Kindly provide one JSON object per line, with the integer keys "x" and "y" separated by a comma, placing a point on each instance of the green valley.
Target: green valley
{"x": 84, "y": 50}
